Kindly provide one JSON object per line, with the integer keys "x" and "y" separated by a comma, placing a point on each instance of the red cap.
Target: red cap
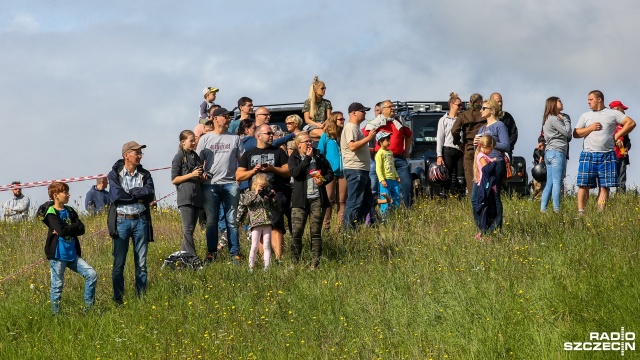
{"x": 617, "y": 103}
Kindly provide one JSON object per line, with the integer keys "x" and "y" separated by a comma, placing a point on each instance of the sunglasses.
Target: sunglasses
{"x": 485, "y": 108}
{"x": 340, "y": 119}
{"x": 290, "y": 123}
{"x": 270, "y": 133}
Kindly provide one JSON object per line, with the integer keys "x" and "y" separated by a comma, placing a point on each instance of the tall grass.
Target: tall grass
{"x": 418, "y": 286}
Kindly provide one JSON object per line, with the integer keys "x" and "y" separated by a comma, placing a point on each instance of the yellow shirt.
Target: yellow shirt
{"x": 385, "y": 168}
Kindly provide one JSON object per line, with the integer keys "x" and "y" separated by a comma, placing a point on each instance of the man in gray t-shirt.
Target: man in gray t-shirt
{"x": 356, "y": 158}
{"x": 220, "y": 153}
{"x": 598, "y": 160}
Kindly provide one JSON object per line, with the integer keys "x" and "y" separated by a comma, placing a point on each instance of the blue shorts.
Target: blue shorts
{"x": 597, "y": 169}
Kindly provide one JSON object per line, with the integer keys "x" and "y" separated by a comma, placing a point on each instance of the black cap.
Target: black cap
{"x": 220, "y": 112}
{"x": 356, "y": 106}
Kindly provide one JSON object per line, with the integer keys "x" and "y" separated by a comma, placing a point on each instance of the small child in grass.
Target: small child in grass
{"x": 386, "y": 171}
{"x": 259, "y": 202}
{"x": 62, "y": 246}
{"x": 484, "y": 192}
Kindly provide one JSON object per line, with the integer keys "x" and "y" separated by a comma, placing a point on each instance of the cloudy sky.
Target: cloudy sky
{"x": 82, "y": 78}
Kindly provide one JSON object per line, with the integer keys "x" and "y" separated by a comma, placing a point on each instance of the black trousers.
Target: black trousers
{"x": 454, "y": 162}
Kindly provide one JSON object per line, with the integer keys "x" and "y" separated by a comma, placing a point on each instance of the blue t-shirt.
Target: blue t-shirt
{"x": 66, "y": 250}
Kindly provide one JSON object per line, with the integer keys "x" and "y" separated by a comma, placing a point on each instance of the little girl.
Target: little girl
{"x": 483, "y": 196}
{"x": 259, "y": 204}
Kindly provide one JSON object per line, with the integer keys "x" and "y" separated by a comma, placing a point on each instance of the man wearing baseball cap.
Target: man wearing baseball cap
{"x": 220, "y": 152}
{"x": 131, "y": 192}
{"x": 400, "y": 146}
{"x": 209, "y": 94}
{"x": 622, "y": 149}
{"x": 356, "y": 161}
{"x": 598, "y": 159}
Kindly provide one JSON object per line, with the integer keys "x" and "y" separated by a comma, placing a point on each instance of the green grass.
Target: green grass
{"x": 417, "y": 287}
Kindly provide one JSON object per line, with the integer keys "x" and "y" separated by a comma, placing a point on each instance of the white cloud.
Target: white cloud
{"x": 84, "y": 79}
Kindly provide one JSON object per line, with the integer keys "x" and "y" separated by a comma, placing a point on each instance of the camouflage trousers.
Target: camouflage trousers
{"x": 315, "y": 215}
{"x": 537, "y": 188}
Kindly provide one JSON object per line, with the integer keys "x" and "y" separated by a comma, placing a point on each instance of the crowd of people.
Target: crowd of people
{"x": 228, "y": 171}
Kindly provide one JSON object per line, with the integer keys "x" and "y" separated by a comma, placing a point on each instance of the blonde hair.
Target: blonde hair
{"x": 453, "y": 97}
{"x": 486, "y": 141}
{"x": 296, "y": 118}
{"x": 258, "y": 179}
{"x": 493, "y": 105}
{"x": 313, "y": 107}
{"x": 300, "y": 134}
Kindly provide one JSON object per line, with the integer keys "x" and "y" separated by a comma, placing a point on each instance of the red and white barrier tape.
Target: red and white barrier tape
{"x": 68, "y": 180}
{"x": 24, "y": 269}
{"x": 162, "y": 198}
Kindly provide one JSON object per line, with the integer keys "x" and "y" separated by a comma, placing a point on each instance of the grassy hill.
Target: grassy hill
{"x": 417, "y": 287}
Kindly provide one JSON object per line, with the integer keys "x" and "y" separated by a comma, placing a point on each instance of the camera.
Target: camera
{"x": 266, "y": 191}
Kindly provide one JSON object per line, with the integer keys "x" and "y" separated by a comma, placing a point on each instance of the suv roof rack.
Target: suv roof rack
{"x": 423, "y": 106}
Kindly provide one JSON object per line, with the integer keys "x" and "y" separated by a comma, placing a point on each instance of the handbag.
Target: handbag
{"x": 509, "y": 173}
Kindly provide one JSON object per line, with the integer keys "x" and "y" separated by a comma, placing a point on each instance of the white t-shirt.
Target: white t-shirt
{"x": 602, "y": 140}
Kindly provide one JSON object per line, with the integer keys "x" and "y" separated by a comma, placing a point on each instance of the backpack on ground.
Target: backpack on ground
{"x": 182, "y": 260}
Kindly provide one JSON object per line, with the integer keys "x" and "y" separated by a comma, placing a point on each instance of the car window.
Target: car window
{"x": 425, "y": 128}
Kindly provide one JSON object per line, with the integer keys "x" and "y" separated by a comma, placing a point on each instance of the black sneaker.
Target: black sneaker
{"x": 210, "y": 258}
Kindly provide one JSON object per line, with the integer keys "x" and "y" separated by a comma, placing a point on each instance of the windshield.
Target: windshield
{"x": 425, "y": 127}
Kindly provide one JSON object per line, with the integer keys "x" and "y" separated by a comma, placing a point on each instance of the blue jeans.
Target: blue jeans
{"x": 138, "y": 231}
{"x": 215, "y": 197}
{"x": 501, "y": 172}
{"x": 375, "y": 186}
{"x": 393, "y": 189}
{"x": 556, "y": 164}
{"x": 359, "y": 197}
{"x": 406, "y": 183}
{"x": 57, "y": 280}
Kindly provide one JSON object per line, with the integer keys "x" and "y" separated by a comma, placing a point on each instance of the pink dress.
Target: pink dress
{"x": 481, "y": 155}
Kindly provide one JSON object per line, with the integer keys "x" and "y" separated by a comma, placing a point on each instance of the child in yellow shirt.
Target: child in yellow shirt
{"x": 386, "y": 172}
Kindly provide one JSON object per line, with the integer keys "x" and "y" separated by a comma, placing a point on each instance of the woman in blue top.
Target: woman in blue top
{"x": 492, "y": 111}
{"x": 329, "y": 146}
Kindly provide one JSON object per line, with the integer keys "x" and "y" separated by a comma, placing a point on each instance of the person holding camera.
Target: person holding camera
{"x": 311, "y": 172}
{"x": 220, "y": 152}
{"x": 186, "y": 175}
{"x": 259, "y": 203}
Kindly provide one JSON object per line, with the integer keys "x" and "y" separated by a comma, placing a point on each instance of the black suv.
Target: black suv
{"x": 422, "y": 118}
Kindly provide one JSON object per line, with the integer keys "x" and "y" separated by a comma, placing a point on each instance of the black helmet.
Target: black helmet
{"x": 438, "y": 173}
{"x": 539, "y": 172}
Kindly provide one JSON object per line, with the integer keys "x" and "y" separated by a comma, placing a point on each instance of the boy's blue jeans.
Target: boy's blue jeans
{"x": 57, "y": 280}
{"x": 393, "y": 189}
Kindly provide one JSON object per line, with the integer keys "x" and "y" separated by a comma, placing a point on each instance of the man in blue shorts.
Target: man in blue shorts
{"x": 598, "y": 159}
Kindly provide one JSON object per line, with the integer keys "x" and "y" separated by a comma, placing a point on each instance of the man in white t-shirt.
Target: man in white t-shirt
{"x": 598, "y": 159}
{"x": 356, "y": 160}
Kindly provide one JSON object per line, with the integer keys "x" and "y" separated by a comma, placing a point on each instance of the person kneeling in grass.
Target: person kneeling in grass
{"x": 63, "y": 247}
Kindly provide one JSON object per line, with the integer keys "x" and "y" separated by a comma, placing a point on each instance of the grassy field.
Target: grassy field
{"x": 417, "y": 287}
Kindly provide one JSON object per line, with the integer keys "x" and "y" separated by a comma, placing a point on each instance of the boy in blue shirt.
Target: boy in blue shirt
{"x": 209, "y": 94}
{"x": 62, "y": 247}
